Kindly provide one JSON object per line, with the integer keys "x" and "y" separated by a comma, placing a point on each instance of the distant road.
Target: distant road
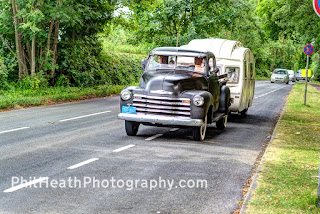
{"x": 85, "y": 139}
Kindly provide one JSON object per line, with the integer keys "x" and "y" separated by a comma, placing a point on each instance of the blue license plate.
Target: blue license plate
{"x": 129, "y": 109}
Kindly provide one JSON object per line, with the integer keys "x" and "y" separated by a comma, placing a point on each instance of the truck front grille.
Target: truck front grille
{"x": 162, "y": 105}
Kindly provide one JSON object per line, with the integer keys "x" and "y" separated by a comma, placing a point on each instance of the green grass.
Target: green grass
{"x": 262, "y": 78}
{"x": 27, "y": 98}
{"x": 285, "y": 184}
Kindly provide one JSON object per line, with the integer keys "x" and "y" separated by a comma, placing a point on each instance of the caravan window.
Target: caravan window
{"x": 233, "y": 74}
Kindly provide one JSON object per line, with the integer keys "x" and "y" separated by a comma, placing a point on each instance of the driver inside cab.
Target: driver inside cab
{"x": 163, "y": 59}
{"x": 199, "y": 64}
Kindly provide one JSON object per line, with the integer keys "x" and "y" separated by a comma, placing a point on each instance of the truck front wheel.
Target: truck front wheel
{"x": 131, "y": 128}
{"x": 222, "y": 123}
{"x": 199, "y": 133}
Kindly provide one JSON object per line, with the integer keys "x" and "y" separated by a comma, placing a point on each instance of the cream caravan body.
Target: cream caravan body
{"x": 238, "y": 63}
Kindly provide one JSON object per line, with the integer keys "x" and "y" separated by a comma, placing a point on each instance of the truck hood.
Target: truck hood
{"x": 172, "y": 82}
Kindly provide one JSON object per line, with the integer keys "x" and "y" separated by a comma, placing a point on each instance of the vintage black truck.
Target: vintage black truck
{"x": 179, "y": 88}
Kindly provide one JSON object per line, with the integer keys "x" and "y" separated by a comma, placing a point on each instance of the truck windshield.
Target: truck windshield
{"x": 233, "y": 74}
{"x": 194, "y": 64}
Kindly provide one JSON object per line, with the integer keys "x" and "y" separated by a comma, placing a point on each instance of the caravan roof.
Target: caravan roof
{"x": 221, "y": 48}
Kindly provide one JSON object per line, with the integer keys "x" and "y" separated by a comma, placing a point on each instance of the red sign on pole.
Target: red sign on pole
{"x": 308, "y": 49}
{"x": 316, "y": 6}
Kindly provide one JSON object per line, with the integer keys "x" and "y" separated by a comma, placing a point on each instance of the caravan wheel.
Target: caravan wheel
{"x": 244, "y": 113}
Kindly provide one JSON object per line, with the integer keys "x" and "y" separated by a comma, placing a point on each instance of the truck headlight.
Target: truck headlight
{"x": 126, "y": 94}
{"x": 198, "y": 100}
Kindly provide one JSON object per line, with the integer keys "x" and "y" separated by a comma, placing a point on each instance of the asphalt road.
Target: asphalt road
{"x": 49, "y": 142}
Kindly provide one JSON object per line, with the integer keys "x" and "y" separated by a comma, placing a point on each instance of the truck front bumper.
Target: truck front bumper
{"x": 161, "y": 120}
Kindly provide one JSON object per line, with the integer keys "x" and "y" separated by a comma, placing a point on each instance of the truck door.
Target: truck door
{"x": 214, "y": 86}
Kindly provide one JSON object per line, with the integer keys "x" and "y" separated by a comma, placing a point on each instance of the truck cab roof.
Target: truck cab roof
{"x": 181, "y": 51}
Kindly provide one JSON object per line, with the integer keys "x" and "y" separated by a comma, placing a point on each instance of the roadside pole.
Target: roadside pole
{"x": 308, "y": 50}
{"x": 306, "y": 87}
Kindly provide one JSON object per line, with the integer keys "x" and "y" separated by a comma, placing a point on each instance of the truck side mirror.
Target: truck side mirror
{"x": 216, "y": 70}
{"x": 143, "y": 64}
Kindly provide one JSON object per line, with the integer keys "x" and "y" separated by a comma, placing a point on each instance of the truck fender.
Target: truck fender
{"x": 201, "y": 111}
{"x": 224, "y": 101}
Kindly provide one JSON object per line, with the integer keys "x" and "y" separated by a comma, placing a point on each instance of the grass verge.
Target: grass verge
{"x": 262, "y": 78}
{"x": 286, "y": 183}
{"x": 27, "y": 98}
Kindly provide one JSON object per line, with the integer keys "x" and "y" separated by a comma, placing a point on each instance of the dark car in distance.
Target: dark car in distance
{"x": 178, "y": 88}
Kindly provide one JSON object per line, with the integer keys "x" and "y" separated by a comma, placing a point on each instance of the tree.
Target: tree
{"x": 32, "y": 30}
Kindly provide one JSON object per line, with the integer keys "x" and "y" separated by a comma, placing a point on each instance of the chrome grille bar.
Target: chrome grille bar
{"x": 166, "y": 106}
{"x": 162, "y": 111}
{"x": 161, "y": 107}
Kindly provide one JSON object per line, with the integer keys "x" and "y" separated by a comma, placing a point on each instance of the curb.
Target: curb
{"x": 254, "y": 182}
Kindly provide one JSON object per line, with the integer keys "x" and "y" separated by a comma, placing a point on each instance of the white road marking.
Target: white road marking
{"x": 83, "y": 163}
{"x": 174, "y": 129}
{"x": 20, "y": 186}
{"x": 154, "y": 137}
{"x": 124, "y": 148}
{"x": 270, "y": 92}
{"x": 88, "y": 115}
{"x": 13, "y": 130}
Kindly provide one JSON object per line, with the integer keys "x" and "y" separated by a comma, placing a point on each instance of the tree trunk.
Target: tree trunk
{"x": 33, "y": 56}
{"x": 49, "y": 38}
{"x": 48, "y": 47}
{"x": 177, "y": 39}
{"x": 20, "y": 52}
{"x": 73, "y": 48}
{"x": 17, "y": 39}
{"x": 55, "y": 45}
{"x": 28, "y": 53}
{"x": 40, "y": 58}
{"x": 7, "y": 45}
{"x": 274, "y": 59}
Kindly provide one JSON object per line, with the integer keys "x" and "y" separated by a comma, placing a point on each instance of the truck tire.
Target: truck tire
{"x": 199, "y": 133}
{"x": 131, "y": 128}
{"x": 222, "y": 123}
{"x": 224, "y": 101}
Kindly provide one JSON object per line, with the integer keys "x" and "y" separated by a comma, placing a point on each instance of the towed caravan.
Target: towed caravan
{"x": 239, "y": 65}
